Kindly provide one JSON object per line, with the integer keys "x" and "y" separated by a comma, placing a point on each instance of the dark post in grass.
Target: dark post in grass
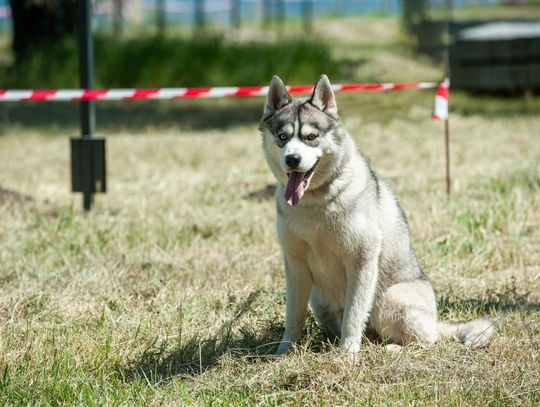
{"x": 87, "y": 152}
{"x": 447, "y": 156}
{"x": 86, "y": 68}
{"x": 447, "y": 121}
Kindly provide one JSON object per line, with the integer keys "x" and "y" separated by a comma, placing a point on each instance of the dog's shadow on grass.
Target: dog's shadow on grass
{"x": 195, "y": 355}
{"x": 507, "y": 299}
{"x": 264, "y": 194}
{"x": 197, "y": 115}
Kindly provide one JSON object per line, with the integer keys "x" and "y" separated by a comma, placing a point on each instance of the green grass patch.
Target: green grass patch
{"x": 528, "y": 180}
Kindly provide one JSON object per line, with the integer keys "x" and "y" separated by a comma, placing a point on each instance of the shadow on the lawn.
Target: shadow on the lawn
{"x": 263, "y": 194}
{"x": 195, "y": 355}
{"x": 10, "y": 195}
{"x": 509, "y": 298}
{"x": 135, "y": 116}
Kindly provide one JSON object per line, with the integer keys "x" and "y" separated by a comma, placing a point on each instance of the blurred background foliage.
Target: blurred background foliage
{"x": 176, "y": 43}
{"x": 161, "y": 61}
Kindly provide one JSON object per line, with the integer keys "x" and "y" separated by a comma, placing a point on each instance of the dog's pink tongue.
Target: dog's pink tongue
{"x": 295, "y": 188}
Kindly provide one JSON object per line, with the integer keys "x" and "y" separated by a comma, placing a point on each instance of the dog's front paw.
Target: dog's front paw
{"x": 350, "y": 346}
{"x": 393, "y": 348}
{"x": 283, "y": 347}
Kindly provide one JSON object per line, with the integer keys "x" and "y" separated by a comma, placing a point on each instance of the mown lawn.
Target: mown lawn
{"x": 171, "y": 290}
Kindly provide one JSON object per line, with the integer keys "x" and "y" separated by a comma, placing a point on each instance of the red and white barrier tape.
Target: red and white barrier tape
{"x": 178, "y": 93}
{"x": 440, "y": 112}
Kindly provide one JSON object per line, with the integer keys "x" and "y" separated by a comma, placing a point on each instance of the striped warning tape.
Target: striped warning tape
{"x": 179, "y": 93}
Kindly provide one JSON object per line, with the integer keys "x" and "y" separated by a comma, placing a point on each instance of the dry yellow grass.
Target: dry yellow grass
{"x": 171, "y": 290}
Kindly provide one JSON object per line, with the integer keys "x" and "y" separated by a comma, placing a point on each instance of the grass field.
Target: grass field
{"x": 171, "y": 291}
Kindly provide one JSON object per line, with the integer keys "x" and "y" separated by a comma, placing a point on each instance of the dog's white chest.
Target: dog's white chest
{"x": 328, "y": 272}
{"x": 327, "y": 246}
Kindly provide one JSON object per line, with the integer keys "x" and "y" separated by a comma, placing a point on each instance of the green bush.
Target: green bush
{"x": 175, "y": 62}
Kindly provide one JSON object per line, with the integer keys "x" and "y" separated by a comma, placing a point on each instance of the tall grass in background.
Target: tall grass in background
{"x": 179, "y": 61}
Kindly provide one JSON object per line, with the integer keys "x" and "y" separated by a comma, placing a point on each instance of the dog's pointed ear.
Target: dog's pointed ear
{"x": 278, "y": 96}
{"x": 323, "y": 97}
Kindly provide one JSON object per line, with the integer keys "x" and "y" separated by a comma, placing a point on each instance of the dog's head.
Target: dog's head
{"x": 300, "y": 137}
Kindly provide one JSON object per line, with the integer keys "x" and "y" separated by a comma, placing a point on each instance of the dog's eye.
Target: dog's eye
{"x": 283, "y": 136}
{"x": 312, "y": 137}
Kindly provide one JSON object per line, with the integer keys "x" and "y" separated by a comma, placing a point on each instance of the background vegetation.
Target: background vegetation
{"x": 153, "y": 61}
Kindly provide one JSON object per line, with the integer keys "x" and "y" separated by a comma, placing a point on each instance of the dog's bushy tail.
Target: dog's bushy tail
{"x": 475, "y": 333}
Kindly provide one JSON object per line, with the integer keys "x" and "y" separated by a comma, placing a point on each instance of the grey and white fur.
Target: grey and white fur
{"x": 344, "y": 237}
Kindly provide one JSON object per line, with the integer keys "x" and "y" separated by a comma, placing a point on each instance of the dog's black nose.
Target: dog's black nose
{"x": 293, "y": 160}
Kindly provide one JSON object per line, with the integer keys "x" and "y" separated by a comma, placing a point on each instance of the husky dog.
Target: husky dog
{"x": 344, "y": 237}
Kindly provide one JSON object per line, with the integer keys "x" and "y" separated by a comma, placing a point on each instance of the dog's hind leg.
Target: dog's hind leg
{"x": 406, "y": 312}
{"x": 327, "y": 318}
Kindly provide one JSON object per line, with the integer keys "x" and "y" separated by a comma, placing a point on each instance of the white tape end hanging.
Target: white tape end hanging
{"x": 440, "y": 110}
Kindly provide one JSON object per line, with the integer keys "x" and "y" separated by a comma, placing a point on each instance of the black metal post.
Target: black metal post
{"x": 446, "y": 61}
{"x": 88, "y": 161}
{"x": 86, "y": 75}
{"x": 447, "y": 156}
